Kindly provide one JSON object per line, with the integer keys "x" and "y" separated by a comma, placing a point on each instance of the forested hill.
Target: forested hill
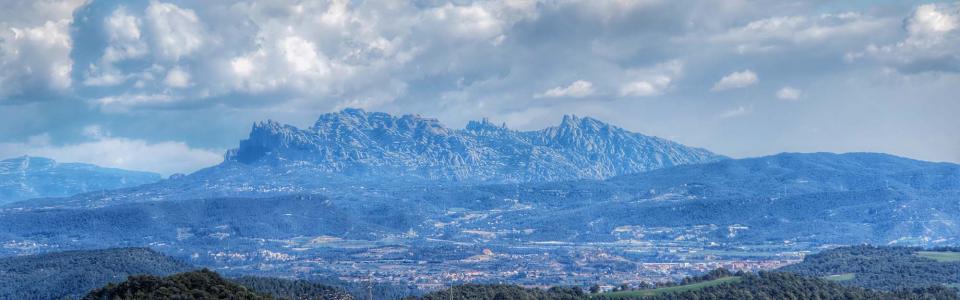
{"x": 764, "y": 285}
{"x": 295, "y": 289}
{"x": 203, "y": 284}
{"x": 885, "y": 268}
{"x": 779, "y": 285}
{"x": 73, "y": 273}
{"x": 115, "y": 272}
{"x": 206, "y": 284}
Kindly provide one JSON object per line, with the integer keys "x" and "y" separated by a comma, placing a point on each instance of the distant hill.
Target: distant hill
{"x": 29, "y": 177}
{"x": 884, "y": 268}
{"x": 73, "y": 273}
{"x": 815, "y": 198}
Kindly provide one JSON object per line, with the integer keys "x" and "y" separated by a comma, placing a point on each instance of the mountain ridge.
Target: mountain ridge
{"x": 359, "y": 143}
{"x": 27, "y": 177}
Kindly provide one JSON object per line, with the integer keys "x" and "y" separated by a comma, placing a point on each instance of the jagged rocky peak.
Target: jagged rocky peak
{"x": 485, "y": 126}
{"x": 274, "y": 128}
{"x": 589, "y": 134}
{"x": 573, "y": 125}
{"x": 586, "y": 123}
{"x": 264, "y": 137}
{"x": 353, "y": 120}
{"x": 354, "y": 142}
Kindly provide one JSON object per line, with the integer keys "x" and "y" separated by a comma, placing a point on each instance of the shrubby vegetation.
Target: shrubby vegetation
{"x": 292, "y": 289}
{"x": 779, "y": 285}
{"x": 883, "y": 268}
{"x": 763, "y": 285}
{"x": 714, "y": 276}
{"x": 504, "y": 292}
{"x": 199, "y": 285}
{"x": 365, "y": 290}
{"x": 206, "y": 284}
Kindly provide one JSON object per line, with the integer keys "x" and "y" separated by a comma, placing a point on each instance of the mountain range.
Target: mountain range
{"x": 353, "y": 147}
{"x": 28, "y": 177}
{"x": 377, "y": 145}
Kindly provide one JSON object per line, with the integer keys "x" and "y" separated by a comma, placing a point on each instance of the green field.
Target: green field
{"x": 672, "y": 289}
{"x": 940, "y": 256}
{"x": 840, "y": 277}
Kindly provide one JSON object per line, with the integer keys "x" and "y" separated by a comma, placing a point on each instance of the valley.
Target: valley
{"x": 435, "y": 265}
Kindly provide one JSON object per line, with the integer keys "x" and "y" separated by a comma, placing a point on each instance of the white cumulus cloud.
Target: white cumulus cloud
{"x": 177, "y": 78}
{"x": 577, "y": 89}
{"x": 930, "y": 45}
{"x": 645, "y": 88}
{"x": 472, "y": 21}
{"x": 928, "y": 20}
{"x": 124, "y": 34}
{"x": 736, "y": 80}
{"x": 35, "y": 47}
{"x": 784, "y": 32}
{"x": 651, "y": 81}
{"x": 789, "y": 93}
{"x": 739, "y": 111}
{"x": 177, "y": 31}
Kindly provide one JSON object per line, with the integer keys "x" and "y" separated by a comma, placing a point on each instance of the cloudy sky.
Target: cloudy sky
{"x": 167, "y": 86}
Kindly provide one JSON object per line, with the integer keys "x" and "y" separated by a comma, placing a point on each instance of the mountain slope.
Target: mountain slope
{"x": 73, "y": 273}
{"x": 819, "y": 197}
{"x": 814, "y": 198}
{"x": 33, "y": 177}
